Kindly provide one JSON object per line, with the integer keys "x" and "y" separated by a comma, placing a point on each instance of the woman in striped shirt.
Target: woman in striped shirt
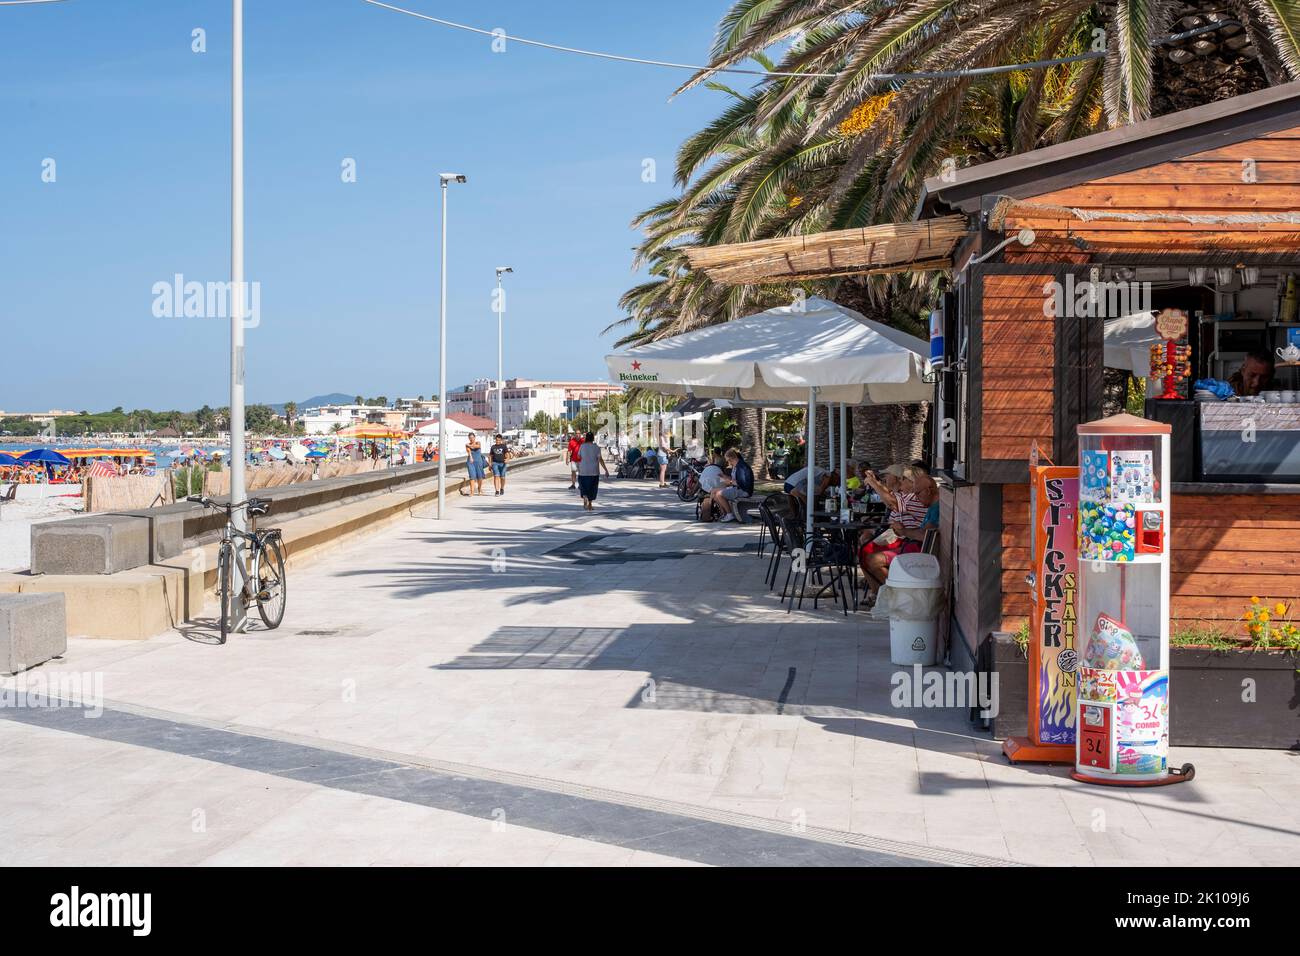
{"x": 913, "y": 505}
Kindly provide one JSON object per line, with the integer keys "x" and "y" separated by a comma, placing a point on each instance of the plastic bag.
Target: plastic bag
{"x": 1219, "y": 388}
{"x": 907, "y": 604}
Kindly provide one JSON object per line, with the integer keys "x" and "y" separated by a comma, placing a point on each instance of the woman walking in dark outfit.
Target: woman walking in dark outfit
{"x": 590, "y": 465}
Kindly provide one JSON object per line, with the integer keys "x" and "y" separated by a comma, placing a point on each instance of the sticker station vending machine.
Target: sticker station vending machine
{"x": 1122, "y": 711}
{"x": 1053, "y": 615}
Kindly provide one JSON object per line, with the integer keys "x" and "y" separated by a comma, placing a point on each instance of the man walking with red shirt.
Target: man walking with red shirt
{"x": 573, "y": 454}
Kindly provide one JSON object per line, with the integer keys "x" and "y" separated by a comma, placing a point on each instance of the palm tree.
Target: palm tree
{"x": 290, "y": 413}
{"x": 836, "y": 147}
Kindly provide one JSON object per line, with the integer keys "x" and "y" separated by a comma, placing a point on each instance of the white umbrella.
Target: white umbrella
{"x": 779, "y": 354}
{"x": 1127, "y": 346}
{"x": 794, "y": 354}
{"x": 1128, "y": 340}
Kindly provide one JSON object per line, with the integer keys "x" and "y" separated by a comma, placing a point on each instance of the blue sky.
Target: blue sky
{"x": 139, "y": 128}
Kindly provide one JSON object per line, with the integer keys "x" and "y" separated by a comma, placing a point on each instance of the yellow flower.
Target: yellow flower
{"x": 1263, "y": 615}
{"x": 1279, "y": 609}
{"x": 1254, "y": 600}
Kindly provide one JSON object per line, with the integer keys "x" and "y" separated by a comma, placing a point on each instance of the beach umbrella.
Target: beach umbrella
{"x": 778, "y": 355}
{"x": 43, "y": 456}
{"x": 810, "y": 353}
{"x": 7, "y": 459}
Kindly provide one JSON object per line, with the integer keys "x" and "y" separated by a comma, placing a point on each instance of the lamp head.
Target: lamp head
{"x": 503, "y": 269}
{"x": 451, "y": 178}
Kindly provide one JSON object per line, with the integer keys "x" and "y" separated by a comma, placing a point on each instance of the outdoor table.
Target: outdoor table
{"x": 847, "y": 532}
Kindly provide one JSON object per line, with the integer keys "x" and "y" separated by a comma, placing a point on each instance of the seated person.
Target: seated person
{"x": 913, "y": 504}
{"x": 633, "y": 453}
{"x": 796, "y": 485}
{"x": 739, "y": 485}
{"x": 711, "y": 477}
{"x": 852, "y": 483}
{"x": 1255, "y": 374}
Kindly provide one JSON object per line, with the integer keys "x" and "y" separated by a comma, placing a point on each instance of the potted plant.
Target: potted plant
{"x": 1231, "y": 691}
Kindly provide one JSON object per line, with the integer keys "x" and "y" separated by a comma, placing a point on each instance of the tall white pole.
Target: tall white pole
{"x": 442, "y": 362}
{"x": 501, "y": 311}
{"x": 844, "y": 476}
{"x": 830, "y": 437}
{"x": 238, "y": 454}
{"x": 810, "y": 459}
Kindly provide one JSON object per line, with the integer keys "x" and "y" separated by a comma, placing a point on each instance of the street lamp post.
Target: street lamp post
{"x": 445, "y": 179}
{"x": 238, "y": 452}
{"x": 501, "y": 382}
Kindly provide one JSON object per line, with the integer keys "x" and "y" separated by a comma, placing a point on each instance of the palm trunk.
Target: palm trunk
{"x": 753, "y": 440}
{"x": 888, "y": 434}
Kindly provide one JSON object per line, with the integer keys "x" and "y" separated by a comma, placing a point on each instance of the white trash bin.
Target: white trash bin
{"x": 910, "y": 598}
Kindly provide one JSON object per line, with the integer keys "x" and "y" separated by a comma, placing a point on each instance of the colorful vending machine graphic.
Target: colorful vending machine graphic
{"x": 1053, "y": 617}
{"x": 1123, "y": 611}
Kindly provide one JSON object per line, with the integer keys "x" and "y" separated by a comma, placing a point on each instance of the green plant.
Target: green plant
{"x": 1021, "y": 637}
{"x": 1270, "y": 625}
{"x": 1203, "y": 635}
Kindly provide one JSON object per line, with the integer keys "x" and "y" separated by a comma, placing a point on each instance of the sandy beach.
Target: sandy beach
{"x": 16, "y": 520}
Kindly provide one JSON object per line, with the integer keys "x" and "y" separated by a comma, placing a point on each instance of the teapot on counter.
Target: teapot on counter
{"x": 1289, "y": 354}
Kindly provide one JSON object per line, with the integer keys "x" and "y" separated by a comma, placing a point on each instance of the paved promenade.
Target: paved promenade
{"x": 525, "y": 684}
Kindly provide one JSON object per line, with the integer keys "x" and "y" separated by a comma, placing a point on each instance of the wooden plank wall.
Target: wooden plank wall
{"x": 1015, "y": 556}
{"x": 1258, "y": 175}
{"x": 1018, "y": 368}
{"x": 1226, "y": 550}
{"x": 1230, "y": 548}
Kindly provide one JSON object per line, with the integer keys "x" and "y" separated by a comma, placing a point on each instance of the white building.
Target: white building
{"x": 523, "y": 400}
{"x": 459, "y": 427}
{"x": 321, "y": 421}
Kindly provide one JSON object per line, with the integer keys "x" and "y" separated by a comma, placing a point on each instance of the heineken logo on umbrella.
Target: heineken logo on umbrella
{"x": 636, "y": 375}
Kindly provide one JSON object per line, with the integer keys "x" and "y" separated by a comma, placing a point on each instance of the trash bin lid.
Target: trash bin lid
{"x": 915, "y": 570}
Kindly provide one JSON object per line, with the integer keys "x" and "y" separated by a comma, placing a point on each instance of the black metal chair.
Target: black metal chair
{"x": 819, "y": 554}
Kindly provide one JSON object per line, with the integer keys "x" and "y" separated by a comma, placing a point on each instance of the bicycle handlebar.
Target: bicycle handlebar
{"x": 209, "y": 503}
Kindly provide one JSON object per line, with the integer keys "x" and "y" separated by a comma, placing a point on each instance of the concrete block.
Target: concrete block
{"x": 104, "y": 544}
{"x": 167, "y": 534}
{"x": 129, "y": 605}
{"x": 33, "y": 629}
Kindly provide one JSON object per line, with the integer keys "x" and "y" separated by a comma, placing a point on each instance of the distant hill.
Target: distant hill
{"x": 333, "y": 398}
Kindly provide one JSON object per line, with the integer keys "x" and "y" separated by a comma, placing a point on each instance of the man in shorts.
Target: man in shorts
{"x": 574, "y": 444}
{"x": 739, "y": 485}
{"x": 498, "y": 455}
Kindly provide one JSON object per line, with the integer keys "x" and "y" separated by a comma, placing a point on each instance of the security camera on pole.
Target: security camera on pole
{"x": 501, "y": 382}
{"x": 444, "y": 179}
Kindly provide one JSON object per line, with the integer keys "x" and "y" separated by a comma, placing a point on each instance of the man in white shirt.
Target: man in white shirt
{"x": 710, "y": 478}
{"x": 797, "y": 484}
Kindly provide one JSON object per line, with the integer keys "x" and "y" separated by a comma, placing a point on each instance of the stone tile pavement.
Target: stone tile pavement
{"x": 523, "y": 684}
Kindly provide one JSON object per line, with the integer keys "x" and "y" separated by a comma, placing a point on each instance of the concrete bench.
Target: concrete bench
{"x": 33, "y": 629}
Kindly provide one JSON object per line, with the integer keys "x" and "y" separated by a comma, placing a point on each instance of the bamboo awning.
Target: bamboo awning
{"x": 922, "y": 246}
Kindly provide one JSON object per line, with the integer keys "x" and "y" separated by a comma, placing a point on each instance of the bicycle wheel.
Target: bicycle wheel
{"x": 271, "y": 583}
{"x": 225, "y": 592}
{"x": 684, "y": 491}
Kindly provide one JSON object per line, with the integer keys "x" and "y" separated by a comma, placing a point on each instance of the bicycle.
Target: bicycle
{"x": 266, "y": 564}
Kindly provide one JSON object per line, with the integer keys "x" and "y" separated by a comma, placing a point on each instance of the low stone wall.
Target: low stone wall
{"x": 141, "y": 600}
{"x": 121, "y": 540}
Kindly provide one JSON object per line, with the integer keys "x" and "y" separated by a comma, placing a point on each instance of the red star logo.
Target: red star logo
{"x": 636, "y": 366}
